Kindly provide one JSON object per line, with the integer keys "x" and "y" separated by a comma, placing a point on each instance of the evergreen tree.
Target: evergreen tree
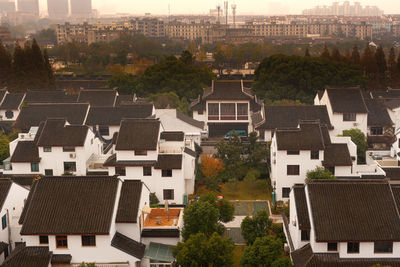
{"x": 347, "y": 57}
{"x": 355, "y": 56}
{"x": 380, "y": 61}
{"x": 49, "y": 71}
{"x": 368, "y": 61}
{"x": 325, "y": 53}
{"x": 18, "y": 72}
{"x": 5, "y": 67}
{"x": 336, "y": 55}
{"x": 392, "y": 64}
{"x": 307, "y": 53}
{"x": 39, "y": 76}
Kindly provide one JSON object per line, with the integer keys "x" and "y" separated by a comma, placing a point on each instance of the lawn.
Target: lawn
{"x": 241, "y": 190}
{"x": 237, "y": 255}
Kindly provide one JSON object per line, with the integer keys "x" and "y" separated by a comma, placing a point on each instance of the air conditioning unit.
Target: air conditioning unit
{"x": 72, "y": 155}
{"x": 355, "y": 124}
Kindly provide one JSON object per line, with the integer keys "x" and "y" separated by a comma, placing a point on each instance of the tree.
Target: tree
{"x": 392, "y": 63}
{"x": 203, "y": 251}
{"x": 320, "y": 173}
{"x": 5, "y": 66}
{"x": 258, "y": 226}
{"x": 18, "y": 69}
{"x": 282, "y": 262}
{"x": 49, "y": 71}
{"x": 4, "y": 146}
{"x": 360, "y": 141}
{"x": 398, "y": 63}
{"x": 187, "y": 57}
{"x": 355, "y": 56}
{"x": 211, "y": 167}
{"x": 325, "y": 53}
{"x": 381, "y": 63}
{"x": 226, "y": 209}
{"x": 201, "y": 217}
{"x": 307, "y": 53}
{"x": 368, "y": 61}
{"x": 336, "y": 55}
{"x": 263, "y": 252}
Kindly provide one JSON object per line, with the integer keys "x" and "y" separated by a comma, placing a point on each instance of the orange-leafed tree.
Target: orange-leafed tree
{"x": 211, "y": 167}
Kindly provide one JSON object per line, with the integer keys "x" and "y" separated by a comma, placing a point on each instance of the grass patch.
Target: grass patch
{"x": 247, "y": 190}
{"x": 237, "y": 255}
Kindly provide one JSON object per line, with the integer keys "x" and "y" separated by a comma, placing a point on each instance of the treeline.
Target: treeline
{"x": 26, "y": 68}
{"x": 380, "y": 70}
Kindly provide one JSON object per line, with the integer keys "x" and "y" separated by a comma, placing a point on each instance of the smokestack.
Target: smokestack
{"x": 234, "y": 15}
{"x": 226, "y": 12}
{"x": 219, "y": 11}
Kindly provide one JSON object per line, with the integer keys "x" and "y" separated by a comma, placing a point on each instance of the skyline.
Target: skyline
{"x": 244, "y": 7}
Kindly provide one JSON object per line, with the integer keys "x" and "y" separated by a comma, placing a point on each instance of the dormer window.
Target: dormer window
{"x": 349, "y": 116}
{"x": 293, "y": 152}
{"x": 140, "y": 152}
{"x": 47, "y": 149}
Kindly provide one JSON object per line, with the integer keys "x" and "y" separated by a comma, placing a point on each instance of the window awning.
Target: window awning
{"x": 159, "y": 252}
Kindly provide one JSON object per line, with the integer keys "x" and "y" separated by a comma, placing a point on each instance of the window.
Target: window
{"x": 305, "y": 235}
{"x": 285, "y": 191}
{"x": 140, "y": 152}
{"x": 376, "y": 131}
{"x": 349, "y": 117}
{"x": 314, "y": 154}
{"x": 9, "y": 114}
{"x": 104, "y": 130}
{"x": 69, "y": 166}
{"x": 47, "y": 149}
{"x": 383, "y": 247}
{"x": 68, "y": 149}
{"x": 61, "y": 241}
{"x": 228, "y": 111}
{"x": 200, "y": 112}
{"x": 242, "y": 111}
{"x": 293, "y": 169}
{"x": 121, "y": 171}
{"x": 332, "y": 246}
{"x": 88, "y": 240}
{"x": 213, "y": 111}
{"x": 166, "y": 173}
{"x": 146, "y": 171}
{"x": 4, "y": 222}
{"x": 293, "y": 152}
{"x": 34, "y": 167}
{"x": 168, "y": 194}
{"x": 48, "y": 172}
{"x": 43, "y": 239}
{"x": 353, "y": 247}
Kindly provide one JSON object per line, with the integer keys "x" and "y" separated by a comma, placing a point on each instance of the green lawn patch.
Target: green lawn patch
{"x": 237, "y": 255}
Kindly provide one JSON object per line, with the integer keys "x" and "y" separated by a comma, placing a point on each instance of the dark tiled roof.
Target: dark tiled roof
{"x": 28, "y": 257}
{"x": 25, "y": 180}
{"x": 55, "y": 96}
{"x": 305, "y": 257}
{"x": 56, "y": 133}
{"x": 5, "y": 185}
{"x": 190, "y": 152}
{"x": 112, "y": 116}
{"x": 26, "y": 151}
{"x": 138, "y": 134}
{"x": 32, "y": 115}
{"x": 65, "y": 205}
{"x": 388, "y": 94}
{"x": 124, "y": 100}
{"x": 393, "y": 173}
{"x": 353, "y": 210}
{"x": 169, "y": 162}
{"x": 377, "y": 113}
{"x": 129, "y": 201}
{"x": 160, "y": 233}
{"x": 61, "y": 259}
{"x": 346, "y": 100}
{"x": 290, "y": 116}
{"x": 98, "y": 98}
{"x": 12, "y": 101}
{"x": 301, "y": 207}
{"x": 112, "y": 162}
{"x": 307, "y": 137}
{"x": 396, "y": 194}
{"x": 128, "y": 245}
{"x": 337, "y": 155}
{"x": 391, "y": 103}
{"x": 222, "y": 90}
{"x": 2, "y": 94}
{"x": 173, "y": 136}
{"x": 189, "y": 120}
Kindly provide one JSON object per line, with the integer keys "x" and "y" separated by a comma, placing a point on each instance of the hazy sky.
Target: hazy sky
{"x": 203, "y": 6}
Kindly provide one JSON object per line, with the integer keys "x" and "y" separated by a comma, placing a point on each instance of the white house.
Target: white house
{"x": 344, "y": 223}
{"x": 10, "y": 106}
{"x": 164, "y": 161}
{"x": 12, "y": 199}
{"x": 54, "y": 148}
{"x": 346, "y": 108}
{"x": 226, "y": 106}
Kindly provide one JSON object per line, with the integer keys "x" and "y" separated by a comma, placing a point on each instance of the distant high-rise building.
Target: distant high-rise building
{"x": 81, "y": 8}
{"x": 57, "y": 8}
{"x": 29, "y": 6}
{"x": 7, "y": 6}
{"x": 346, "y": 9}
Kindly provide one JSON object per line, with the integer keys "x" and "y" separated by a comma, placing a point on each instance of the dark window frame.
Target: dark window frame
{"x": 166, "y": 173}
{"x": 9, "y": 114}
{"x": 68, "y": 149}
{"x": 34, "y": 167}
{"x": 376, "y": 130}
{"x": 305, "y": 235}
{"x": 286, "y": 192}
{"x": 349, "y": 116}
{"x": 120, "y": 170}
{"x": 73, "y": 163}
{"x": 332, "y": 246}
{"x": 47, "y": 172}
{"x": 168, "y": 194}
{"x": 4, "y": 222}
{"x": 147, "y": 171}
{"x": 104, "y": 130}
{"x": 293, "y": 170}
{"x": 293, "y": 152}
{"x": 88, "y": 240}
{"x": 47, "y": 149}
{"x": 383, "y": 247}
{"x": 64, "y": 241}
{"x": 140, "y": 152}
{"x": 353, "y": 247}
{"x": 314, "y": 154}
{"x": 44, "y": 239}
